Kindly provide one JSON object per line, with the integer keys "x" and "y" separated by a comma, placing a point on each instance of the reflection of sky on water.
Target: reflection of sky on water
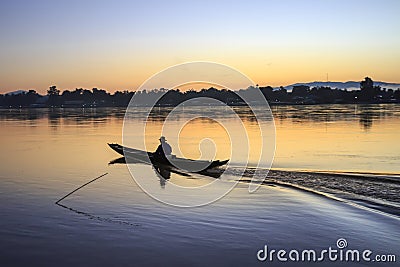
{"x": 322, "y": 137}
{"x": 47, "y": 154}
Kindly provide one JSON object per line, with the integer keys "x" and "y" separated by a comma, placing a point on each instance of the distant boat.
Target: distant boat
{"x": 184, "y": 164}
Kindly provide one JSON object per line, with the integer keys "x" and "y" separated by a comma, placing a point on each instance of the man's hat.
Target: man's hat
{"x": 162, "y": 138}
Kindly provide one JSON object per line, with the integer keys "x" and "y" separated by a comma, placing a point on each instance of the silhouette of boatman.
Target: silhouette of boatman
{"x": 164, "y": 150}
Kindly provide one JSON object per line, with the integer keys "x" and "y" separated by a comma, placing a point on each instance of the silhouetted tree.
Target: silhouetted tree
{"x": 281, "y": 95}
{"x": 31, "y": 97}
{"x": 396, "y": 94}
{"x": 300, "y": 90}
{"x": 268, "y": 93}
{"x": 368, "y": 90}
{"x": 300, "y": 94}
{"x": 53, "y": 91}
{"x": 53, "y": 94}
{"x": 367, "y": 84}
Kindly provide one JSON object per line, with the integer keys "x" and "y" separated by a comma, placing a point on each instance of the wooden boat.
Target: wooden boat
{"x": 190, "y": 165}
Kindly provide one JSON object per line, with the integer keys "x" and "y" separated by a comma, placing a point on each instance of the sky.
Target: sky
{"x": 117, "y": 45}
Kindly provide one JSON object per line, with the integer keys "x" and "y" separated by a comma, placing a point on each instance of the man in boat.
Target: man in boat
{"x": 164, "y": 150}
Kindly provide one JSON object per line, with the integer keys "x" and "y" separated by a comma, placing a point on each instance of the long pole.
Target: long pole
{"x": 91, "y": 181}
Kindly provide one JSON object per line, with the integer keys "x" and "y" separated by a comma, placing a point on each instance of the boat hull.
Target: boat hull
{"x": 180, "y": 163}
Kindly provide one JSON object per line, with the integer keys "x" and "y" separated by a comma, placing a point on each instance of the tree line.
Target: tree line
{"x": 301, "y": 94}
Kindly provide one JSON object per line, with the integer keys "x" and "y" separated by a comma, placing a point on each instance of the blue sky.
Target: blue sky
{"x": 119, "y": 44}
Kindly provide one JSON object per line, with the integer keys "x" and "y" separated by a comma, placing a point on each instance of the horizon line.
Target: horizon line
{"x": 134, "y": 90}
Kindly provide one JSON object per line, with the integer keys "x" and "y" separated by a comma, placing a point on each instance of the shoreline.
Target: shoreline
{"x": 193, "y": 105}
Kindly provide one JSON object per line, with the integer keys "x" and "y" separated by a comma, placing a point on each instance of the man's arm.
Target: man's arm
{"x": 167, "y": 149}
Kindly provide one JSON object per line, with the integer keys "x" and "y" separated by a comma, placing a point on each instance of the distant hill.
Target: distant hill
{"x": 349, "y": 85}
{"x": 18, "y": 92}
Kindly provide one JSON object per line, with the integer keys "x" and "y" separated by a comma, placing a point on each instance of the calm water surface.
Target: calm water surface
{"x": 47, "y": 153}
{"x": 360, "y": 138}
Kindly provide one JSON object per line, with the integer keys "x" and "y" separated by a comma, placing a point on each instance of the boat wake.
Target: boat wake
{"x": 376, "y": 192}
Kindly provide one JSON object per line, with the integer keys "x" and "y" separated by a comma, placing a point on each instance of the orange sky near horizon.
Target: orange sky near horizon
{"x": 277, "y": 71}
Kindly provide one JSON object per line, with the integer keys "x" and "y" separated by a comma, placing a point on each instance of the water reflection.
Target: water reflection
{"x": 366, "y": 119}
{"x": 55, "y": 115}
{"x": 164, "y": 172}
{"x": 163, "y": 175}
{"x": 349, "y": 137}
{"x": 366, "y": 114}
